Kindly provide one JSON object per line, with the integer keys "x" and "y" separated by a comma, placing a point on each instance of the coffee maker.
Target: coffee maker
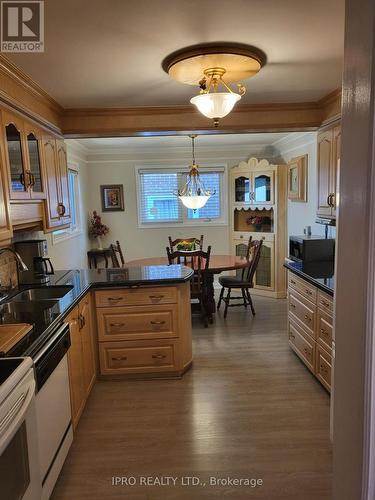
{"x": 34, "y": 254}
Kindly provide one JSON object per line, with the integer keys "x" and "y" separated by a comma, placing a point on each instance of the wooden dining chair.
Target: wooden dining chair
{"x": 199, "y": 261}
{"x": 116, "y": 255}
{"x": 193, "y": 242}
{"x": 243, "y": 282}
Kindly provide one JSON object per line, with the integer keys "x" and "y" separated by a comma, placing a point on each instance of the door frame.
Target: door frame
{"x": 354, "y": 372}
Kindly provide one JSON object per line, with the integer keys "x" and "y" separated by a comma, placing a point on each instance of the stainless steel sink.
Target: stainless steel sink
{"x": 15, "y": 308}
{"x": 45, "y": 294}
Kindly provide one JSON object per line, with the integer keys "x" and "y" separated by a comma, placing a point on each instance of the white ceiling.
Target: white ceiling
{"x": 108, "y": 53}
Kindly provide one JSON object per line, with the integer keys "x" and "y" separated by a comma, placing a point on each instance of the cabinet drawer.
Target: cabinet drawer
{"x": 133, "y": 323}
{"x": 131, "y": 357}
{"x": 324, "y": 329}
{"x": 302, "y": 287}
{"x": 301, "y": 345}
{"x": 136, "y": 296}
{"x": 325, "y": 302}
{"x": 302, "y": 312}
{"x": 323, "y": 367}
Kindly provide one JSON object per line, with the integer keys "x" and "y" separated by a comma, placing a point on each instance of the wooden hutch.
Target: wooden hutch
{"x": 258, "y": 204}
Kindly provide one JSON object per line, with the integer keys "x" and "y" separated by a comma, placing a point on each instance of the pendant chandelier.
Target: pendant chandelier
{"x": 212, "y": 67}
{"x": 194, "y": 195}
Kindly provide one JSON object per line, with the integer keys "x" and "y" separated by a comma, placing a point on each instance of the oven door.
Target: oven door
{"x": 19, "y": 459}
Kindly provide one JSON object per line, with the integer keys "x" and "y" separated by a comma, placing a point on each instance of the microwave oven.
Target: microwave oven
{"x": 311, "y": 249}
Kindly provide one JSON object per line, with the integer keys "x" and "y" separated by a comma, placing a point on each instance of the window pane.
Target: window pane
{"x": 73, "y": 179}
{"x": 158, "y": 203}
{"x": 212, "y": 209}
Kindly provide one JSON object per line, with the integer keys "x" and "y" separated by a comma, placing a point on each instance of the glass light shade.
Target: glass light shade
{"x": 215, "y": 105}
{"x": 194, "y": 202}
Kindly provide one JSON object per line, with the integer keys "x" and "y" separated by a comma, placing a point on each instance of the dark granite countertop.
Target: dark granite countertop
{"x": 319, "y": 274}
{"x": 45, "y": 319}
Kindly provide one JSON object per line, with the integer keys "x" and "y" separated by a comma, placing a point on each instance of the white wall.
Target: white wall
{"x": 302, "y": 214}
{"x": 119, "y": 168}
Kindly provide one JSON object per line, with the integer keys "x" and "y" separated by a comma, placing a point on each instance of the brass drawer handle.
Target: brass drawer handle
{"x": 325, "y": 303}
{"x": 307, "y": 318}
{"x": 323, "y": 369}
{"x": 309, "y": 292}
{"x": 293, "y": 306}
{"x": 306, "y": 352}
{"x": 156, "y": 297}
{"x": 121, "y": 358}
{"x": 115, "y": 299}
{"x": 157, "y": 322}
{"x": 158, "y": 356}
{"x": 118, "y": 325}
{"x": 293, "y": 282}
{"x": 323, "y": 332}
{"x": 292, "y": 336}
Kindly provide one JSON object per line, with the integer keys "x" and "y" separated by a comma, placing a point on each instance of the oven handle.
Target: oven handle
{"x": 18, "y": 411}
{"x": 63, "y": 328}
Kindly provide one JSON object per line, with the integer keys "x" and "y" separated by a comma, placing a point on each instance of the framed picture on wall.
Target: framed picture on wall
{"x": 112, "y": 197}
{"x": 297, "y": 179}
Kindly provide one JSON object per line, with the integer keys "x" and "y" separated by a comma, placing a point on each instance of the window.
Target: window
{"x": 159, "y": 205}
{"x": 75, "y": 228}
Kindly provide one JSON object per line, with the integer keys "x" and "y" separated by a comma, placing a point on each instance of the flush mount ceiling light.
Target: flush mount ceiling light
{"x": 212, "y": 67}
{"x": 194, "y": 195}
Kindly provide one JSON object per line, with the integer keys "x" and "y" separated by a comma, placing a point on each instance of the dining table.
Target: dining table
{"x": 217, "y": 265}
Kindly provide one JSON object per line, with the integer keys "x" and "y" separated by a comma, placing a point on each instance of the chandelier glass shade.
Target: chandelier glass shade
{"x": 194, "y": 195}
{"x": 215, "y": 105}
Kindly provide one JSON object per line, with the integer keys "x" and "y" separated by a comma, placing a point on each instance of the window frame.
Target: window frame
{"x": 72, "y": 231}
{"x": 209, "y": 167}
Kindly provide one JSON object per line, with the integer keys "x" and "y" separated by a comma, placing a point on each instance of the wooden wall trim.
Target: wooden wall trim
{"x": 19, "y": 92}
{"x": 183, "y": 119}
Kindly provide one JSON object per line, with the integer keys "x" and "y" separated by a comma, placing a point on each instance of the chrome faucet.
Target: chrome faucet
{"x": 20, "y": 263}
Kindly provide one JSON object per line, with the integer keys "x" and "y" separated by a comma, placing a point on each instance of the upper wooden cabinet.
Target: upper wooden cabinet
{"x": 328, "y": 162}
{"x": 56, "y": 168}
{"x": 22, "y": 142}
{"x": 6, "y": 231}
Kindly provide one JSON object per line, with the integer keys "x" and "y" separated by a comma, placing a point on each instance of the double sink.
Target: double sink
{"x": 35, "y": 298}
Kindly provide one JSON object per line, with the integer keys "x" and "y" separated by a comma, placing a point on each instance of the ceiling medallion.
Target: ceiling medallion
{"x": 212, "y": 66}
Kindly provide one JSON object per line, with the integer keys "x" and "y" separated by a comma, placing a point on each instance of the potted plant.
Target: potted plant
{"x": 97, "y": 229}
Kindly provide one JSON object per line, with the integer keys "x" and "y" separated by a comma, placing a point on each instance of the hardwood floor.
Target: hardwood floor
{"x": 247, "y": 409}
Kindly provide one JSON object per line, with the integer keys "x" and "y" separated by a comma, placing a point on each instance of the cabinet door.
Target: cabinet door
{"x": 15, "y": 156}
{"x": 64, "y": 181}
{"x": 324, "y": 161}
{"x": 34, "y": 173}
{"x": 89, "y": 369}
{"x": 263, "y": 188}
{"x": 6, "y": 231}
{"x": 53, "y": 209}
{"x": 75, "y": 363}
{"x": 335, "y": 174}
{"x": 265, "y": 273}
{"x": 242, "y": 189}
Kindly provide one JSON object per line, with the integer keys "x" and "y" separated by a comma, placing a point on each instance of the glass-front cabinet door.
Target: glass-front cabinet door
{"x": 242, "y": 189}
{"x": 263, "y": 188}
{"x": 14, "y": 152}
{"x": 264, "y": 275}
{"x": 34, "y": 171}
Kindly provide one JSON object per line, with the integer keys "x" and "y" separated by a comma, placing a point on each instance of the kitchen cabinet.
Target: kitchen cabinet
{"x": 81, "y": 356}
{"x": 22, "y": 141}
{"x": 144, "y": 331}
{"x": 328, "y": 163}
{"x": 57, "y": 207}
{"x": 310, "y": 327}
{"x": 254, "y": 188}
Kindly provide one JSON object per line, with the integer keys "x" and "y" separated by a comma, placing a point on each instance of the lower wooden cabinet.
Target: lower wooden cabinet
{"x": 81, "y": 356}
{"x": 144, "y": 331}
{"x": 310, "y": 327}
